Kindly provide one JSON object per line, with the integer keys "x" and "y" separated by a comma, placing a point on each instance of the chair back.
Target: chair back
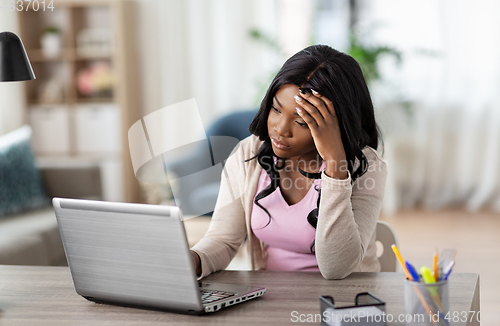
{"x": 234, "y": 124}
{"x": 385, "y": 238}
{"x": 198, "y": 185}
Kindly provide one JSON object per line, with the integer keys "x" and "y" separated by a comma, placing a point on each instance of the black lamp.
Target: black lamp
{"x": 14, "y": 62}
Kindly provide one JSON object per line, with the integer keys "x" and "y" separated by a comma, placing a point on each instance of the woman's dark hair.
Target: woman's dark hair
{"x": 338, "y": 77}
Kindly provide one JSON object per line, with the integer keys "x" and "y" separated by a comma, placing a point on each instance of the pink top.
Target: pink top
{"x": 288, "y": 235}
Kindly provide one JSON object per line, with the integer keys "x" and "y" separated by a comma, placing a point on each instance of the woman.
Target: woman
{"x": 306, "y": 188}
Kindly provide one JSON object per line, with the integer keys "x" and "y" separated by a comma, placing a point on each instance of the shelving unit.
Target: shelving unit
{"x": 75, "y": 124}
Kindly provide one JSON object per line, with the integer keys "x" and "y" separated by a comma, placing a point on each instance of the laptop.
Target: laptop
{"x": 137, "y": 255}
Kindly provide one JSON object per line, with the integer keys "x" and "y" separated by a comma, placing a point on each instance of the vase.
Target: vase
{"x": 51, "y": 44}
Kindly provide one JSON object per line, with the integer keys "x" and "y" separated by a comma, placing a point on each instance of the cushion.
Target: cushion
{"x": 21, "y": 188}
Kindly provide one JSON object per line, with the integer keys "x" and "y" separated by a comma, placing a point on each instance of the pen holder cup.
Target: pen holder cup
{"x": 426, "y": 304}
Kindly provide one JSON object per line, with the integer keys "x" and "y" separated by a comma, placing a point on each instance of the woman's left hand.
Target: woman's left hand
{"x": 319, "y": 114}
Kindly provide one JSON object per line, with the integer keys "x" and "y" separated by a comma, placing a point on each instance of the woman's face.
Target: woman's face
{"x": 290, "y": 136}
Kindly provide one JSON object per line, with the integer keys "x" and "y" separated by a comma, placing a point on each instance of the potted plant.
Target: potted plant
{"x": 368, "y": 57}
{"x": 51, "y": 42}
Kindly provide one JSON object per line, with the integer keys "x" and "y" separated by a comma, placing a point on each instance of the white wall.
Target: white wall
{"x": 11, "y": 93}
{"x": 203, "y": 50}
{"x": 148, "y": 31}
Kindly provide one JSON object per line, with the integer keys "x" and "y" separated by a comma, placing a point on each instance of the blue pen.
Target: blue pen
{"x": 412, "y": 271}
{"x": 448, "y": 269}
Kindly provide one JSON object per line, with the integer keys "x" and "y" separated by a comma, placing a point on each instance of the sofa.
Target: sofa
{"x": 28, "y": 228}
{"x": 31, "y": 238}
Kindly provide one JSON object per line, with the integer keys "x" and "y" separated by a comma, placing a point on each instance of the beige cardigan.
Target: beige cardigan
{"x": 345, "y": 234}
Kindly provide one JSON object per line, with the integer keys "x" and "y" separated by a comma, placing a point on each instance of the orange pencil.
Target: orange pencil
{"x": 401, "y": 261}
{"x": 435, "y": 271}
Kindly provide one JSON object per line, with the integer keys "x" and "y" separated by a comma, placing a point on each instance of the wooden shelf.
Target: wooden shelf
{"x": 72, "y": 161}
{"x": 43, "y": 102}
{"x": 96, "y": 56}
{"x": 73, "y": 17}
{"x": 94, "y": 100}
{"x": 74, "y": 101}
{"x": 36, "y": 55}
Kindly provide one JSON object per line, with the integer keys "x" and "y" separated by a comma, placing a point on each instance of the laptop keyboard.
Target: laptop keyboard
{"x": 208, "y": 296}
